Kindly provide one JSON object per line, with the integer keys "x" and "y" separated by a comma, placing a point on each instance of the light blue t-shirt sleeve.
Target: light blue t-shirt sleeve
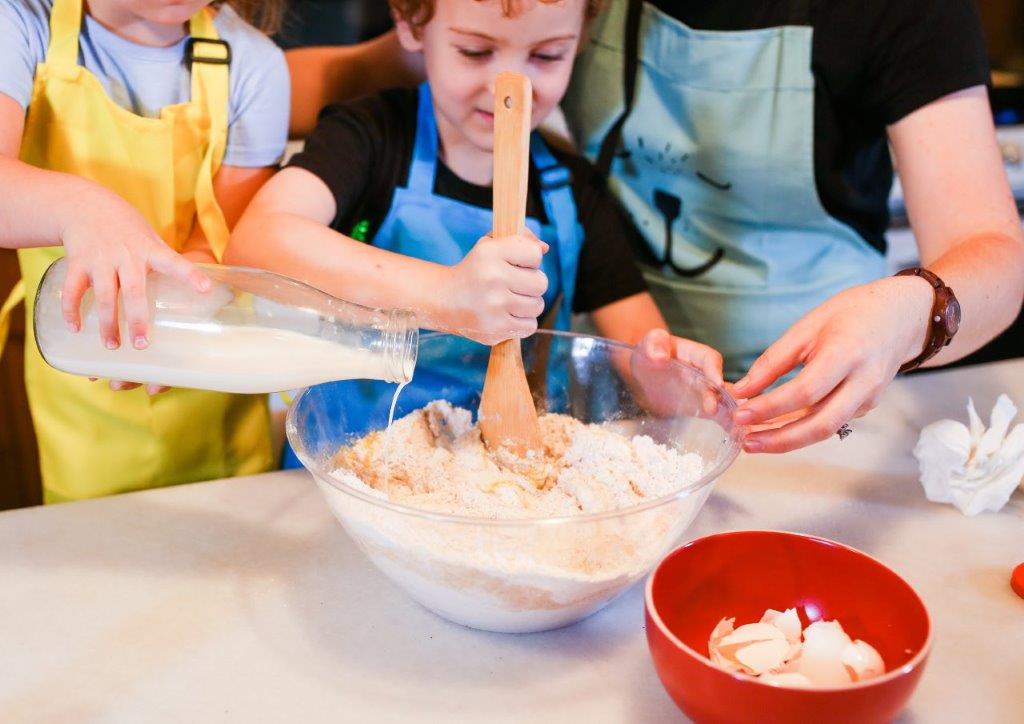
{"x": 260, "y": 94}
{"x": 24, "y": 34}
{"x": 144, "y": 79}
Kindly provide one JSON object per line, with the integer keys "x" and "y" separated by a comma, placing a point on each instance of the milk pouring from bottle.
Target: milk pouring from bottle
{"x": 254, "y": 332}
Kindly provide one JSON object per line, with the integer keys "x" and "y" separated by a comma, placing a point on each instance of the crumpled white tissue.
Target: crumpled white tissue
{"x": 975, "y": 469}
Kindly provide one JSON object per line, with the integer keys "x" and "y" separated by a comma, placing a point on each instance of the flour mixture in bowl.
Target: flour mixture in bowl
{"x": 513, "y": 544}
{"x": 434, "y": 459}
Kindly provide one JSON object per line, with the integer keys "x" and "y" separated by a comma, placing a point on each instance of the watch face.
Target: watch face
{"x": 952, "y": 316}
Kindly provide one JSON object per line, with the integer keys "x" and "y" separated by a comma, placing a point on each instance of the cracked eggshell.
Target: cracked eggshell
{"x": 752, "y": 632}
{"x": 752, "y": 648}
{"x": 763, "y": 656}
{"x": 722, "y": 629}
{"x": 787, "y": 679}
{"x": 862, "y": 661}
{"x": 821, "y": 659}
{"x": 771, "y": 650}
{"x": 786, "y": 621}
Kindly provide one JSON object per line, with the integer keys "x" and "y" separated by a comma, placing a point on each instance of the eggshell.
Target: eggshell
{"x": 786, "y": 679}
{"x": 821, "y": 659}
{"x": 763, "y": 656}
{"x": 772, "y": 651}
{"x": 722, "y": 629}
{"x": 862, "y": 661}
{"x": 751, "y": 632}
{"x": 751, "y": 648}
{"x": 786, "y": 621}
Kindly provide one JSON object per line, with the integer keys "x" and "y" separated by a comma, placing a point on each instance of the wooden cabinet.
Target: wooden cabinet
{"x": 1003, "y": 22}
{"x": 19, "y": 462}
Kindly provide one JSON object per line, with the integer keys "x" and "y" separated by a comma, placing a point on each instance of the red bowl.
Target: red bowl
{"x": 743, "y": 573}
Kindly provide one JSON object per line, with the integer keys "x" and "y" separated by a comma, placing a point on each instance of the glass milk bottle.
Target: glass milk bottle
{"x": 254, "y": 332}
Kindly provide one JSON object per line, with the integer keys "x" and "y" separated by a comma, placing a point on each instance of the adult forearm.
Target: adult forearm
{"x": 986, "y": 272}
{"x": 343, "y": 267}
{"x": 324, "y": 75}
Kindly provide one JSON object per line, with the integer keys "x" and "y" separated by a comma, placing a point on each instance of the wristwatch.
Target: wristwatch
{"x": 945, "y": 319}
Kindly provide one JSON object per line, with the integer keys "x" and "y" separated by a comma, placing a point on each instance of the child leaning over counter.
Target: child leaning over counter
{"x": 127, "y": 125}
{"x": 389, "y": 204}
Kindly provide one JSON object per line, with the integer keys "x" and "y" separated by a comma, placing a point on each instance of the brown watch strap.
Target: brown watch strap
{"x": 944, "y": 320}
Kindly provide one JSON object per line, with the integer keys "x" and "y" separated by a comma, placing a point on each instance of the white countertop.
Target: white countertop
{"x": 244, "y": 600}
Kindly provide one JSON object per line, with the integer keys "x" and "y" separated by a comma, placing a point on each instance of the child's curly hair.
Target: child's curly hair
{"x": 264, "y": 15}
{"x": 419, "y": 12}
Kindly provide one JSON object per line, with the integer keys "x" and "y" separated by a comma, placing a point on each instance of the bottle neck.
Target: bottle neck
{"x": 400, "y": 345}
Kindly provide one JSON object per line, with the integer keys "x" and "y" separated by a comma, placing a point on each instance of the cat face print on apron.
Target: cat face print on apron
{"x": 708, "y": 141}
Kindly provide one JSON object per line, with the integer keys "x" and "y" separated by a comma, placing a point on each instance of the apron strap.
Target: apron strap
{"x": 209, "y": 58}
{"x": 62, "y": 52}
{"x": 631, "y": 63}
{"x": 560, "y": 208}
{"x": 423, "y": 168}
{"x": 65, "y": 26}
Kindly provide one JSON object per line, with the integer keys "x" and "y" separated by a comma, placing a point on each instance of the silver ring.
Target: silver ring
{"x": 844, "y": 431}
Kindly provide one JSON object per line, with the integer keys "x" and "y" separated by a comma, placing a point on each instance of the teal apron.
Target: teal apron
{"x": 708, "y": 142}
{"x": 435, "y": 228}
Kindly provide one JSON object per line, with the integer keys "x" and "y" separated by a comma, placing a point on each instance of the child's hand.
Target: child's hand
{"x": 659, "y": 346}
{"x": 111, "y": 247}
{"x": 496, "y": 292}
{"x": 662, "y": 389}
{"x": 122, "y": 386}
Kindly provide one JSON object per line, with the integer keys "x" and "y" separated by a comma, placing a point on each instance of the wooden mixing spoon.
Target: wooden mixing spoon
{"x": 507, "y": 416}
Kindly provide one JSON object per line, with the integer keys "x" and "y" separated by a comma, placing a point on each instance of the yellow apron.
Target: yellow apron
{"x": 93, "y": 441}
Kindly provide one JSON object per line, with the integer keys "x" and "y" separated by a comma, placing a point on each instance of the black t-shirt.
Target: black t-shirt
{"x": 362, "y": 151}
{"x": 874, "y": 62}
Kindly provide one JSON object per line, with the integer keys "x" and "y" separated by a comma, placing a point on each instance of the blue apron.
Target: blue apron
{"x": 708, "y": 141}
{"x": 435, "y": 228}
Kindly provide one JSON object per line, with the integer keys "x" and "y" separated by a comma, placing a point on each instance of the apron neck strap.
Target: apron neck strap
{"x": 631, "y": 56}
{"x": 424, "y": 154}
{"x": 209, "y": 58}
{"x": 560, "y": 207}
{"x": 554, "y": 178}
{"x": 65, "y": 27}
{"x": 201, "y": 24}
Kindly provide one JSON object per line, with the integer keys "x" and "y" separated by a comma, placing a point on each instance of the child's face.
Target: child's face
{"x": 468, "y": 42}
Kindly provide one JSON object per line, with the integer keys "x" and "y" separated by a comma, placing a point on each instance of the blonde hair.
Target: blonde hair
{"x": 418, "y": 13}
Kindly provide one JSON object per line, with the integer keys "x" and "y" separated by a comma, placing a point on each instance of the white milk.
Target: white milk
{"x": 224, "y": 359}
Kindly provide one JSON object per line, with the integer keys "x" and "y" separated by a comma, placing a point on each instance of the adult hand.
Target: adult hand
{"x": 851, "y": 348}
{"x": 496, "y": 292}
{"x": 111, "y": 247}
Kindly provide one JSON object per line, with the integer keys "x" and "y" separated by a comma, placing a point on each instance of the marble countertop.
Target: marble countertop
{"x": 244, "y": 600}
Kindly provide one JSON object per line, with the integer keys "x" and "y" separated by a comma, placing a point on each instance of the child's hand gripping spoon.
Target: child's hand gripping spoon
{"x": 507, "y": 416}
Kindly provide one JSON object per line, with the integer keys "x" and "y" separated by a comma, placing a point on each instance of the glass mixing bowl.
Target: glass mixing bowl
{"x": 524, "y": 574}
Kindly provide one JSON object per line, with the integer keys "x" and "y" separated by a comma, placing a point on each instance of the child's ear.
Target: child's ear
{"x": 408, "y": 37}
